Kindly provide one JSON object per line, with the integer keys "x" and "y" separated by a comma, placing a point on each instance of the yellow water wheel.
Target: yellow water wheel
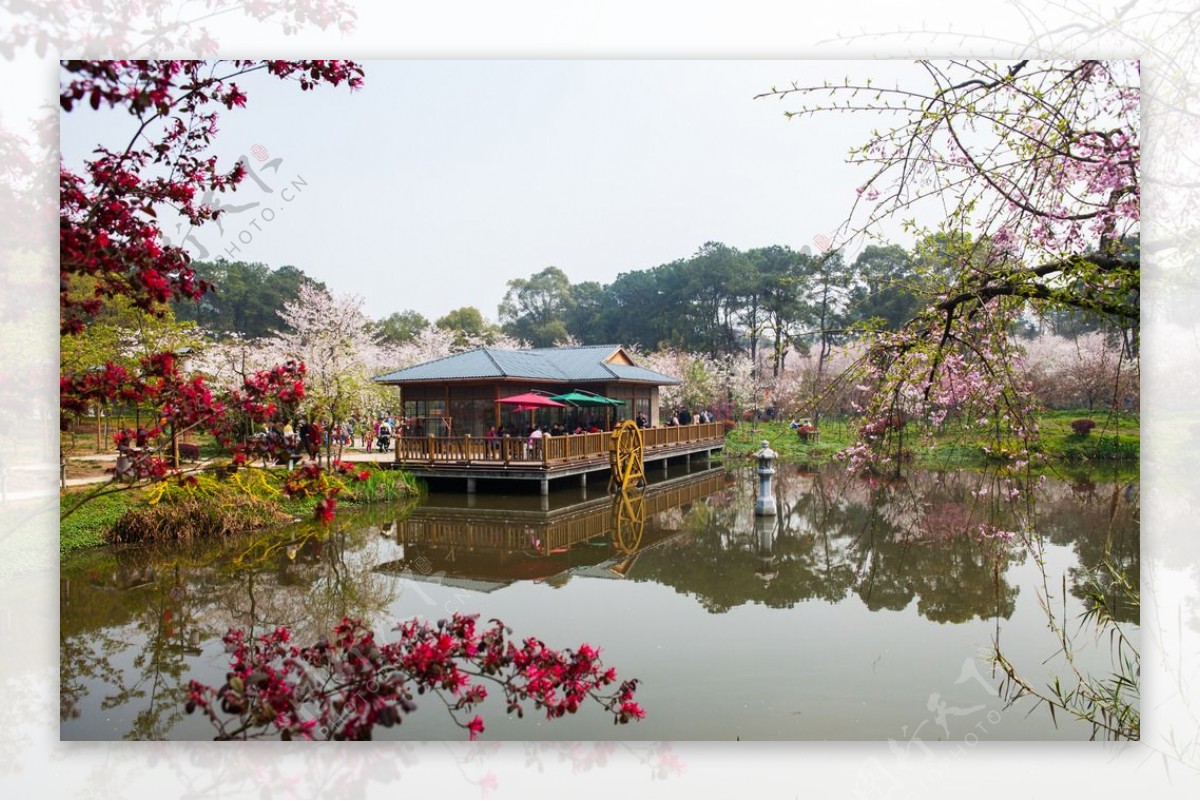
{"x": 629, "y": 520}
{"x": 626, "y": 457}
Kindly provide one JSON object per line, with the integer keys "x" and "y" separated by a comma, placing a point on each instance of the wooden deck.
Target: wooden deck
{"x": 549, "y": 458}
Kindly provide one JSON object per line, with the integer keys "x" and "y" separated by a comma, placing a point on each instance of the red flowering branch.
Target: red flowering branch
{"x": 112, "y": 245}
{"x": 345, "y": 685}
{"x": 108, "y": 217}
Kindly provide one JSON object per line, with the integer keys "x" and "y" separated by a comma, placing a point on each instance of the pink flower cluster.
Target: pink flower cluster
{"x": 345, "y": 685}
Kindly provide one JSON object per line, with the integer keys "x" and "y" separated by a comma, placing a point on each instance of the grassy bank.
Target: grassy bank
{"x": 87, "y": 526}
{"x": 212, "y": 509}
{"x": 1115, "y": 438}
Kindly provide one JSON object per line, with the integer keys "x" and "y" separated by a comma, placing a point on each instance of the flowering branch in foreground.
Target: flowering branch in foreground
{"x": 345, "y": 685}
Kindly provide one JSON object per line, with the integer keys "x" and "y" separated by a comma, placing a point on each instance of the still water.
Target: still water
{"x": 864, "y": 610}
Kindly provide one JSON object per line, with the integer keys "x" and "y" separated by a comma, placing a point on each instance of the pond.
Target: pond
{"x": 865, "y": 610}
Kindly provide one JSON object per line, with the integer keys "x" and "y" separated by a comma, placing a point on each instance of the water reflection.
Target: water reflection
{"x": 487, "y": 548}
{"x": 137, "y": 623}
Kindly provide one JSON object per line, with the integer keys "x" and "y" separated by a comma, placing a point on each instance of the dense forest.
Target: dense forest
{"x": 763, "y": 303}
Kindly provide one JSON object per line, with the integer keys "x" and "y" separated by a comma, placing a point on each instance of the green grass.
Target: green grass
{"x": 87, "y": 526}
{"x": 1116, "y": 438}
{"x": 747, "y": 438}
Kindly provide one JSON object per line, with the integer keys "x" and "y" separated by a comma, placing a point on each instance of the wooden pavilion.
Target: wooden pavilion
{"x": 459, "y": 394}
{"x": 450, "y": 404}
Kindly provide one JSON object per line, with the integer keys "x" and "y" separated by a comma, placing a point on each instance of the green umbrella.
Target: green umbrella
{"x": 579, "y": 397}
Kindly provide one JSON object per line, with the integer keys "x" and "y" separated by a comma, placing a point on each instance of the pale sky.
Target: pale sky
{"x": 440, "y": 181}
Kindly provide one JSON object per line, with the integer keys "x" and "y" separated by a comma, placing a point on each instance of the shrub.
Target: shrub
{"x": 1083, "y": 427}
{"x": 189, "y": 452}
{"x": 204, "y": 505}
{"x": 194, "y": 517}
{"x": 382, "y": 486}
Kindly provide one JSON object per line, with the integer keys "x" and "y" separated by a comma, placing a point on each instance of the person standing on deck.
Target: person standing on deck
{"x": 535, "y": 442}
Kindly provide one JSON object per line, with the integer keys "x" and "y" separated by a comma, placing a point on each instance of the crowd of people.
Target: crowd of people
{"x": 311, "y": 437}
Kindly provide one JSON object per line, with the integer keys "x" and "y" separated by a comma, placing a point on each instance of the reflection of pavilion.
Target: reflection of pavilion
{"x": 499, "y": 546}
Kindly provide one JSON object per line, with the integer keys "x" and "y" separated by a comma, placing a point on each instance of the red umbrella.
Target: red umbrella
{"x": 532, "y": 400}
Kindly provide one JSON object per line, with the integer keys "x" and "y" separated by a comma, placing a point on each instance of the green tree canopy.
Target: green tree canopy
{"x": 247, "y": 300}
{"x": 400, "y": 327}
{"x": 535, "y": 309}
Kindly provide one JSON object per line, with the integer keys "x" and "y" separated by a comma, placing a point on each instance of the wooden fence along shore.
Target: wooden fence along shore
{"x": 546, "y": 458}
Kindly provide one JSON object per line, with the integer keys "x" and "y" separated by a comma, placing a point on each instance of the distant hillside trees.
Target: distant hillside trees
{"x": 248, "y": 298}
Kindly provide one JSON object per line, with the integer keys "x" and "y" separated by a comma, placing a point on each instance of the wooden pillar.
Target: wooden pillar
{"x": 470, "y": 486}
{"x": 545, "y": 486}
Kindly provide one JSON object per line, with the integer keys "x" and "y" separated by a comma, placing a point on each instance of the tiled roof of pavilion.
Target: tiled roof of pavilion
{"x": 559, "y": 365}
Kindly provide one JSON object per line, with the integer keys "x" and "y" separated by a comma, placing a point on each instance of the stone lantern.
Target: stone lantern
{"x": 765, "y": 505}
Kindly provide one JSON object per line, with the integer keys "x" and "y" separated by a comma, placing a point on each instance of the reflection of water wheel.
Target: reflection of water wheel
{"x": 629, "y": 520}
{"x": 626, "y": 457}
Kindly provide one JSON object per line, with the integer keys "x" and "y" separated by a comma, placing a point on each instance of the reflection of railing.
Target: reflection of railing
{"x": 504, "y": 530}
{"x": 546, "y": 451}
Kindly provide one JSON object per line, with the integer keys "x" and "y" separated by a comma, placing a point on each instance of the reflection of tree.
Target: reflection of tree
{"x": 1109, "y": 514}
{"x": 111, "y": 608}
{"x": 889, "y": 542}
{"x": 149, "y": 608}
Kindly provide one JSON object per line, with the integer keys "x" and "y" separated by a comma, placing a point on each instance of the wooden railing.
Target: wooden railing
{"x": 546, "y": 451}
{"x": 666, "y": 436}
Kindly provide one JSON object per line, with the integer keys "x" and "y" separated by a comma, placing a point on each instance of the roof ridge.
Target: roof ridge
{"x": 488, "y": 352}
{"x": 573, "y": 347}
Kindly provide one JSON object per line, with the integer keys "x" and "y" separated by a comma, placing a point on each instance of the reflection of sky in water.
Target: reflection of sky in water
{"x": 855, "y": 614}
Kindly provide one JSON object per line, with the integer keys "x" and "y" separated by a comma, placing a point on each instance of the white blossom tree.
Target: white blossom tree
{"x": 1090, "y": 371}
{"x": 334, "y": 339}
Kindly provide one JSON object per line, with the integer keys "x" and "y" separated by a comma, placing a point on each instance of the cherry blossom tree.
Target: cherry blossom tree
{"x": 352, "y": 681}
{"x": 724, "y": 385}
{"x": 1034, "y": 168}
{"x": 1088, "y": 371}
{"x": 340, "y": 346}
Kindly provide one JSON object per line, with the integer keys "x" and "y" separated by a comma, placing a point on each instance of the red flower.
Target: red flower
{"x": 324, "y": 510}
{"x": 629, "y": 710}
{"x": 475, "y": 726}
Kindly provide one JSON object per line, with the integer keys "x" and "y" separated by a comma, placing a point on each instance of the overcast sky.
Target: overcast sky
{"x": 440, "y": 181}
